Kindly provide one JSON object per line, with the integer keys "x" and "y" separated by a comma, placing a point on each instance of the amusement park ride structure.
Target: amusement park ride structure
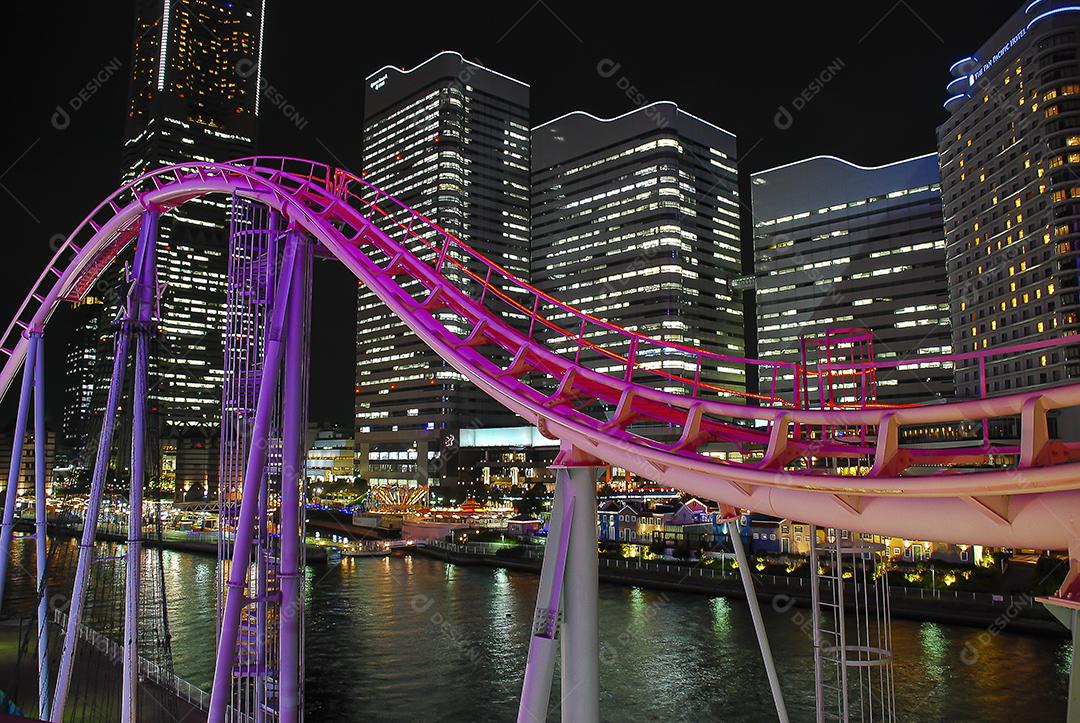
{"x": 836, "y": 462}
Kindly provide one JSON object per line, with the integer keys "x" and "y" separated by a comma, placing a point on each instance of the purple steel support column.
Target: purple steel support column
{"x": 543, "y": 643}
{"x": 41, "y": 529}
{"x": 581, "y": 619}
{"x": 249, "y": 499}
{"x": 140, "y": 318}
{"x": 93, "y": 508}
{"x": 12, "y": 490}
{"x": 292, "y": 457}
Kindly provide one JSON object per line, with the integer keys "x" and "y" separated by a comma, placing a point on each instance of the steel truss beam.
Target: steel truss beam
{"x": 290, "y": 663}
{"x": 33, "y": 386}
{"x": 291, "y": 292}
{"x": 141, "y": 304}
{"x": 143, "y": 275}
{"x": 41, "y": 522}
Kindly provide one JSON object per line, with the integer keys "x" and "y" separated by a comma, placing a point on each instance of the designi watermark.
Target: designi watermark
{"x": 784, "y": 117}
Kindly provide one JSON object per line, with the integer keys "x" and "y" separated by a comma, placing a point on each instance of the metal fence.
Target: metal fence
{"x": 151, "y": 671}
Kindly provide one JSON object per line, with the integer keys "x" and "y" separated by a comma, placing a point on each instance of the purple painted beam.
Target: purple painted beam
{"x": 292, "y": 482}
{"x": 41, "y": 529}
{"x": 12, "y": 492}
{"x": 141, "y": 303}
{"x": 93, "y": 507}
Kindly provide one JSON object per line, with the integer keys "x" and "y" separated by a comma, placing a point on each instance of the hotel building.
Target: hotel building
{"x": 1010, "y": 156}
{"x": 844, "y": 246}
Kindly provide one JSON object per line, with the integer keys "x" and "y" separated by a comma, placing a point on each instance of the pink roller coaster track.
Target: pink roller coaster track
{"x": 474, "y": 314}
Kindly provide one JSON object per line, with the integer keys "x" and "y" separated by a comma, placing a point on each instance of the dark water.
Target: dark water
{"x": 409, "y": 638}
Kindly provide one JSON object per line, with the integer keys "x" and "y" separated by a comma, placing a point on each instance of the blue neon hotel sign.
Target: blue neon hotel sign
{"x": 997, "y": 56}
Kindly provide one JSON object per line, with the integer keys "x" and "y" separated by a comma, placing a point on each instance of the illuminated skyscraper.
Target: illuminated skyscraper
{"x": 1010, "y": 158}
{"x": 845, "y": 246}
{"x": 449, "y": 138}
{"x": 80, "y": 365}
{"x": 636, "y": 219}
{"x": 194, "y": 95}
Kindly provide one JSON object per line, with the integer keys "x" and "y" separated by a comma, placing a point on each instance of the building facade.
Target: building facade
{"x": 844, "y": 246}
{"x": 331, "y": 457}
{"x": 190, "y": 468}
{"x": 193, "y": 96}
{"x": 27, "y": 473}
{"x": 635, "y": 220}
{"x": 80, "y": 366}
{"x": 501, "y": 460}
{"x": 1009, "y": 153}
{"x": 450, "y": 139}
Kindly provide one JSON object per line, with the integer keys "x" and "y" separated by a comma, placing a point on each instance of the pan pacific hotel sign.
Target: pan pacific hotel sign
{"x": 997, "y": 56}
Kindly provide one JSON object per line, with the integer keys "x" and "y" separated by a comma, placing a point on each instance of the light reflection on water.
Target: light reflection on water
{"x": 414, "y": 639}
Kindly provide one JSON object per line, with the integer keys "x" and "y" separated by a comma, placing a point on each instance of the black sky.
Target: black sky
{"x": 731, "y": 63}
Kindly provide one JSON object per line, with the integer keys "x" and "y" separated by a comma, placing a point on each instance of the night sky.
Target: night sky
{"x": 735, "y": 70}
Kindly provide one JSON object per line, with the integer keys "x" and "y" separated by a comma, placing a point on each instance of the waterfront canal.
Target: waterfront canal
{"x": 414, "y": 639}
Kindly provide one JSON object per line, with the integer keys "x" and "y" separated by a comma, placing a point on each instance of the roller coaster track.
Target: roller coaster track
{"x": 537, "y": 356}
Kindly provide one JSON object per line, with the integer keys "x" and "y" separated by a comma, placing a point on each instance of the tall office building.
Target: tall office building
{"x": 635, "y": 219}
{"x": 80, "y": 366}
{"x": 194, "y": 96}
{"x": 1009, "y": 153}
{"x": 27, "y": 470}
{"x": 449, "y": 138}
{"x": 844, "y": 246}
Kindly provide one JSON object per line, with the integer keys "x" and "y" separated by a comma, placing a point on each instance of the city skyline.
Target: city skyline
{"x": 600, "y": 87}
{"x": 599, "y": 345}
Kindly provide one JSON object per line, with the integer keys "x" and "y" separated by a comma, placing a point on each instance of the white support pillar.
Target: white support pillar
{"x": 1072, "y": 712}
{"x": 1066, "y": 613}
{"x": 759, "y": 625}
{"x": 581, "y": 618}
{"x": 544, "y": 643}
{"x": 569, "y": 583}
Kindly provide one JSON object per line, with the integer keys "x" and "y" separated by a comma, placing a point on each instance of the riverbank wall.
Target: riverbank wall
{"x": 785, "y": 594}
{"x": 200, "y": 543}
